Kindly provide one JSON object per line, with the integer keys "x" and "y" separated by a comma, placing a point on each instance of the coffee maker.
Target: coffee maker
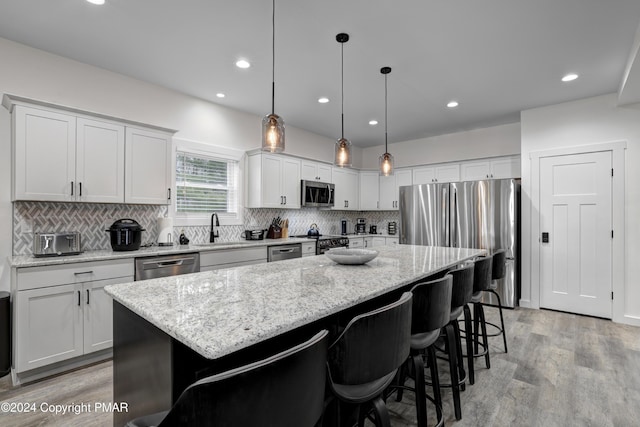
{"x": 361, "y": 226}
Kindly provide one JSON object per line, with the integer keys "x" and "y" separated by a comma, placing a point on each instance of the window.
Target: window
{"x": 205, "y": 184}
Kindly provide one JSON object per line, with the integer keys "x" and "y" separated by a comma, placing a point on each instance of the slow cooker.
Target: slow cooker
{"x": 126, "y": 235}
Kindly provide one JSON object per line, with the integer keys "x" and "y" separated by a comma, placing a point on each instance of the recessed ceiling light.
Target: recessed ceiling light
{"x": 570, "y": 77}
{"x": 98, "y": 2}
{"x": 453, "y": 104}
{"x": 243, "y": 64}
{"x": 323, "y": 100}
{"x": 373, "y": 122}
{"x": 220, "y": 95}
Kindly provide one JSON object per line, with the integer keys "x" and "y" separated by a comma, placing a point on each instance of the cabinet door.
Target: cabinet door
{"x": 272, "y": 197}
{"x": 99, "y": 161}
{"x": 388, "y": 192}
{"x": 45, "y": 150}
{"x": 391, "y": 241}
{"x": 48, "y": 326}
{"x": 98, "y": 314}
{"x": 324, "y": 173}
{"x": 290, "y": 183}
{"x": 378, "y": 241}
{"x": 309, "y": 171}
{"x": 448, "y": 173}
{"x": 342, "y": 191}
{"x": 473, "y": 171}
{"x": 505, "y": 168}
{"x": 356, "y": 242}
{"x": 147, "y": 167}
{"x": 353, "y": 202}
{"x": 369, "y": 190}
{"x": 426, "y": 175}
{"x": 368, "y": 242}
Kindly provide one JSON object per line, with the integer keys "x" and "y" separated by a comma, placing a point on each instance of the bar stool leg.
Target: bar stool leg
{"x": 504, "y": 334}
{"x": 453, "y": 367}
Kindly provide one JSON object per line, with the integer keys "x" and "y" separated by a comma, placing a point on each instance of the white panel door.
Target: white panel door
{"x": 100, "y": 161}
{"x": 272, "y": 196}
{"x": 425, "y": 175}
{"x": 505, "y": 168}
{"x": 45, "y": 149}
{"x": 369, "y": 187}
{"x": 448, "y": 173}
{"x": 48, "y": 326}
{"x": 147, "y": 167}
{"x": 473, "y": 171}
{"x": 98, "y": 314}
{"x": 291, "y": 182}
{"x": 575, "y": 255}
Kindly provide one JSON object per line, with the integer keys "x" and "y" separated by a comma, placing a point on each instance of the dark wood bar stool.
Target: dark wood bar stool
{"x": 481, "y": 283}
{"x": 430, "y": 313}
{"x": 498, "y": 271}
{"x": 364, "y": 359}
{"x": 286, "y": 389}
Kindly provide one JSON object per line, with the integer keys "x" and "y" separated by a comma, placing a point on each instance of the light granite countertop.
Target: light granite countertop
{"x": 21, "y": 261}
{"x": 219, "y": 312}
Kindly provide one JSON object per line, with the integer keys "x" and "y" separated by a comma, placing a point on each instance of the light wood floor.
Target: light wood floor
{"x": 561, "y": 370}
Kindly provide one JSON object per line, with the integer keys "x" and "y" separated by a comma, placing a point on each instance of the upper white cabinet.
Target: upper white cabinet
{"x": 66, "y": 155}
{"x": 346, "y": 189}
{"x": 148, "y": 167}
{"x": 449, "y": 172}
{"x": 369, "y": 190}
{"x": 498, "y": 168}
{"x": 314, "y": 171}
{"x": 390, "y": 189}
{"x": 273, "y": 181}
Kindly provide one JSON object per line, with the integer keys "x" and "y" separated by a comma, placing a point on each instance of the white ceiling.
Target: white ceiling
{"x": 496, "y": 57}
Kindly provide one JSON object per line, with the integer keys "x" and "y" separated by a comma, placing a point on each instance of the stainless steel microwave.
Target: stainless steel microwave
{"x": 317, "y": 194}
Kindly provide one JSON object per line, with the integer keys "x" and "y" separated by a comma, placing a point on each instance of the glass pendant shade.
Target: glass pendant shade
{"x": 343, "y": 153}
{"x": 386, "y": 164}
{"x": 272, "y": 133}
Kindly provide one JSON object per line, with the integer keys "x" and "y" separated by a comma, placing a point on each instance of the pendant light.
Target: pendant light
{"x": 343, "y": 145}
{"x": 386, "y": 160}
{"x": 272, "y": 124}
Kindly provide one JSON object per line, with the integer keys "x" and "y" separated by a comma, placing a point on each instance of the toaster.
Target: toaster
{"x": 56, "y": 244}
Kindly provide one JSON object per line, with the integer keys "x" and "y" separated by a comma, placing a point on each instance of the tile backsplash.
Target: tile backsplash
{"x": 92, "y": 219}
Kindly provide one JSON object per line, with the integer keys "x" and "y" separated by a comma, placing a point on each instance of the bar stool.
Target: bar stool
{"x": 499, "y": 270}
{"x": 481, "y": 283}
{"x": 286, "y": 389}
{"x": 430, "y": 313}
{"x": 460, "y": 296}
{"x": 365, "y": 358}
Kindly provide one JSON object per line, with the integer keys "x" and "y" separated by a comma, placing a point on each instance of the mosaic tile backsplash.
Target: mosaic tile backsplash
{"x": 91, "y": 220}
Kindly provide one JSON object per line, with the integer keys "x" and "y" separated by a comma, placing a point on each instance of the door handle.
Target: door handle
{"x": 87, "y": 296}
{"x": 80, "y": 189}
{"x": 72, "y": 188}
{"x": 78, "y": 298}
{"x": 545, "y": 237}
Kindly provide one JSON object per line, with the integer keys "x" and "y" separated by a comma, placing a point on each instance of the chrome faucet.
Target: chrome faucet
{"x": 212, "y": 235}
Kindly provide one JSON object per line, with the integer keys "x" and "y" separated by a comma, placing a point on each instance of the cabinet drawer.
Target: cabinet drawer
{"x": 308, "y": 248}
{"x": 231, "y": 256}
{"x": 52, "y": 275}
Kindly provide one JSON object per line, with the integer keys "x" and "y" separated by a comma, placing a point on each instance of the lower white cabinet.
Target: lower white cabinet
{"x": 356, "y": 242}
{"x": 308, "y": 248}
{"x": 62, "y": 312}
{"x": 373, "y": 241}
{"x": 217, "y": 259}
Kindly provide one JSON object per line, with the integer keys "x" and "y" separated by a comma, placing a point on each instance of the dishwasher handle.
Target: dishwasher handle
{"x": 168, "y": 263}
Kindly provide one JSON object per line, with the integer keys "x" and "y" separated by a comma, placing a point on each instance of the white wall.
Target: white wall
{"x": 39, "y": 75}
{"x": 493, "y": 141}
{"x": 589, "y": 121}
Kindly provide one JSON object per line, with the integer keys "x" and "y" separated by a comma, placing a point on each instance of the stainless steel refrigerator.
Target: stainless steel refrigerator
{"x": 471, "y": 214}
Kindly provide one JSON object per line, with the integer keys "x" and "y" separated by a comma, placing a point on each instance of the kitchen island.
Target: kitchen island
{"x": 172, "y": 331}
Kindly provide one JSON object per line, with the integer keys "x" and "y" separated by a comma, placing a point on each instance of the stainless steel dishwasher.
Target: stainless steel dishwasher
{"x": 282, "y": 252}
{"x": 167, "y": 265}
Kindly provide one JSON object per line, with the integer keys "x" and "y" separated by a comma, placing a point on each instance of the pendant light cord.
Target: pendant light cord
{"x": 342, "y": 86}
{"x": 385, "y": 114}
{"x": 273, "y": 57}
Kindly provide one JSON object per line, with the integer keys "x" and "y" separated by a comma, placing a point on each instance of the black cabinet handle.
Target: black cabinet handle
{"x": 285, "y": 200}
{"x": 87, "y": 296}
{"x": 80, "y": 190}
{"x": 72, "y": 188}
{"x": 168, "y": 194}
{"x": 78, "y": 298}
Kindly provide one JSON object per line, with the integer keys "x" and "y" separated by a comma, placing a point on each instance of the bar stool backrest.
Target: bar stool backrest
{"x": 286, "y": 390}
{"x": 482, "y": 273}
{"x": 431, "y": 305}
{"x": 373, "y": 344}
{"x": 499, "y": 264}
{"x": 462, "y": 285}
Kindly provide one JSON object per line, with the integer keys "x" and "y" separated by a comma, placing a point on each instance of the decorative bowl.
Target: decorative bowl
{"x": 351, "y": 256}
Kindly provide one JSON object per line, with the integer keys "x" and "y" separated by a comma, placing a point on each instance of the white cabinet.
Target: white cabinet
{"x": 217, "y": 259}
{"x": 389, "y": 189}
{"x": 389, "y": 241}
{"x": 62, "y": 312}
{"x": 356, "y": 242}
{"x": 60, "y": 157}
{"x": 378, "y": 241}
{"x": 497, "y": 168}
{"x": 314, "y": 171}
{"x": 449, "y": 172}
{"x": 308, "y": 248}
{"x": 273, "y": 181}
{"x": 147, "y": 167}
{"x": 369, "y": 191}
{"x": 346, "y": 189}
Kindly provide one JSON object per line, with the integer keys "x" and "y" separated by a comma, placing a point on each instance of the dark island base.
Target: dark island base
{"x": 151, "y": 369}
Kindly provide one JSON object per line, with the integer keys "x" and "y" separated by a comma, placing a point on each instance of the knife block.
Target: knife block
{"x": 274, "y": 232}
